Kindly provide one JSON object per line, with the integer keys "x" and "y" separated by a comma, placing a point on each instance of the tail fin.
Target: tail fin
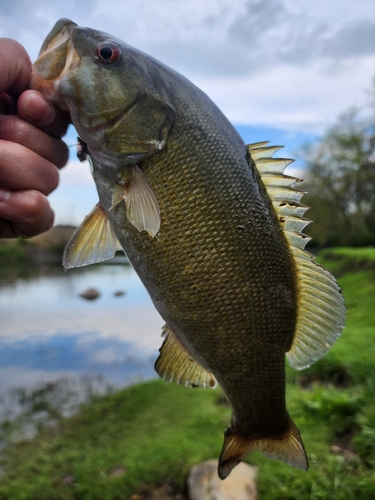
{"x": 289, "y": 448}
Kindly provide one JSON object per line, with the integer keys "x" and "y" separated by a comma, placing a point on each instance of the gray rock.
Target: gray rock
{"x": 205, "y": 484}
{"x": 90, "y": 294}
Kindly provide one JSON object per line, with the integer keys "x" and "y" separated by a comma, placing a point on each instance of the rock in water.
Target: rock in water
{"x": 90, "y": 294}
{"x": 204, "y": 483}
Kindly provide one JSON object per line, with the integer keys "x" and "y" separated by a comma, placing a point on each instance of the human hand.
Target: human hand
{"x": 31, "y": 149}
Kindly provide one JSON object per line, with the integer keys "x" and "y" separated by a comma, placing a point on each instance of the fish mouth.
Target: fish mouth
{"x": 56, "y": 57}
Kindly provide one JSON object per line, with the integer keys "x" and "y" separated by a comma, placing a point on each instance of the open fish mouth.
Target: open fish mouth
{"x": 57, "y": 53}
{"x": 56, "y": 58}
{"x": 62, "y": 30}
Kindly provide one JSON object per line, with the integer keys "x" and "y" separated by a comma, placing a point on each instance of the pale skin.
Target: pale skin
{"x": 31, "y": 149}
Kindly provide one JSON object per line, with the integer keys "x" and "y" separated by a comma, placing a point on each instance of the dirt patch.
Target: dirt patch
{"x": 337, "y": 375}
{"x": 343, "y": 442}
{"x": 163, "y": 492}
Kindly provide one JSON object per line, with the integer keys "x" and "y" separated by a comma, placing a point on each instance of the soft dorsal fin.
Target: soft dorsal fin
{"x": 175, "y": 364}
{"x": 93, "y": 241}
{"x": 142, "y": 207}
{"x": 321, "y": 309}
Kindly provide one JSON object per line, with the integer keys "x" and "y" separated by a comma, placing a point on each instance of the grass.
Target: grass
{"x": 363, "y": 253}
{"x": 342, "y": 260}
{"x": 13, "y": 251}
{"x": 151, "y": 434}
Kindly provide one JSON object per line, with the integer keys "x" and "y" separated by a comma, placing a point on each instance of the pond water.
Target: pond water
{"x": 52, "y": 337}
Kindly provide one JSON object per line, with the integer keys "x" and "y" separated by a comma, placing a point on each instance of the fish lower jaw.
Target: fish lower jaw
{"x": 50, "y": 89}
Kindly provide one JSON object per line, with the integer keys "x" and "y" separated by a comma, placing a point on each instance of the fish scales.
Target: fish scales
{"x": 216, "y": 249}
{"x": 216, "y": 272}
{"x": 211, "y": 282}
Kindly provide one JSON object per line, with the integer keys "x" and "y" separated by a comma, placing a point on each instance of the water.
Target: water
{"x": 55, "y": 344}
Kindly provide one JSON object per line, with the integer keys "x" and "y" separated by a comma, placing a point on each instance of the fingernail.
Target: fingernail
{"x": 5, "y": 195}
{"x": 38, "y": 109}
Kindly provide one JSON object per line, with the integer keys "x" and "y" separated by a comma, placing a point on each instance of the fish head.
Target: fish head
{"x": 110, "y": 90}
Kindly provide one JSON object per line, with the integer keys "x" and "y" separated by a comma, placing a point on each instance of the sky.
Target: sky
{"x": 280, "y": 70}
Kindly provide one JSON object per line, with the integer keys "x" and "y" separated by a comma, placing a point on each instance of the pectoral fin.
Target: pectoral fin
{"x": 142, "y": 207}
{"x": 93, "y": 241}
{"x": 175, "y": 364}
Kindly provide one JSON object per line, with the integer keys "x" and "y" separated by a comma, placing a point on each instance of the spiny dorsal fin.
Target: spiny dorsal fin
{"x": 175, "y": 364}
{"x": 93, "y": 241}
{"x": 256, "y": 145}
{"x": 263, "y": 152}
{"x": 142, "y": 207}
{"x": 321, "y": 309}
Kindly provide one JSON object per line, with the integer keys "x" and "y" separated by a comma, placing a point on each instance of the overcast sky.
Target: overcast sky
{"x": 285, "y": 68}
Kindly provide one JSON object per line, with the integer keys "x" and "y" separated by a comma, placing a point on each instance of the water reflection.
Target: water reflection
{"x": 49, "y": 333}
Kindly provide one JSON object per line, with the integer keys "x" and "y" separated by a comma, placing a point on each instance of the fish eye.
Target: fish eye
{"x": 108, "y": 52}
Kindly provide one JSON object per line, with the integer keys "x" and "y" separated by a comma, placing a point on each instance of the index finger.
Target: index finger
{"x": 15, "y": 67}
{"x": 36, "y": 109}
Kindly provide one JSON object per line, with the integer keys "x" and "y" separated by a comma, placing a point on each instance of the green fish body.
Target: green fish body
{"x": 211, "y": 226}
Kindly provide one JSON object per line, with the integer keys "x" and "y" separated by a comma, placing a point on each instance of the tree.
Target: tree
{"x": 341, "y": 182}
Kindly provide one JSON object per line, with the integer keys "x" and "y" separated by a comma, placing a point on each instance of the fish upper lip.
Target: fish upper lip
{"x": 66, "y": 34}
{"x": 58, "y": 56}
{"x": 93, "y": 121}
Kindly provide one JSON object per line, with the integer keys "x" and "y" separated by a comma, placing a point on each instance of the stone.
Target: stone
{"x": 336, "y": 450}
{"x": 69, "y": 480}
{"x": 116, "y": 471}
{"x": 205, "y": 484}
{"x": 90, "y": 294}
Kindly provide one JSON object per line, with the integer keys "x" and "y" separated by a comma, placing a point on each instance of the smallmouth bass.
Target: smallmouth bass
{"x": 211, "y": 226}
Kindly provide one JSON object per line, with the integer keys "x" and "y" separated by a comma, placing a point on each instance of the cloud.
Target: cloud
{"x": 273, "y": 62}
{"x": 351, "y": 41}
{"x": 212, "y": 37}
{"x": 261, "y": 21}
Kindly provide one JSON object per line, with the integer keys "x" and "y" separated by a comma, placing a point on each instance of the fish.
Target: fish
{"x": 213, "y": 228}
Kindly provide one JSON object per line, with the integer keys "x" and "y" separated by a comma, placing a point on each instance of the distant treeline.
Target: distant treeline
{"x": 46, "y": 248}
{"x": 341, "y": 182}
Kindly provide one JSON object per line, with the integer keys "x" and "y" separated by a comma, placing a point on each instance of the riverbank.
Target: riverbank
{"x": 45, "y": 250}
{"x": 143, "y": 440}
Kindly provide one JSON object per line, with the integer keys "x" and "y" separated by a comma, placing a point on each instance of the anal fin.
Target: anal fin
{"x": 175, "y": 364}
{"x": 288, "y": 448}
{"x": 93, "y": 241}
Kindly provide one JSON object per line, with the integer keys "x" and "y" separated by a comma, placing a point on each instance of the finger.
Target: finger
{"x": 15, "y": 130}
{"x": 24, "y": 213}
{"x": 37, "y": 109}
{"x": 8, "y": 105}
{"x": 22, "y": 169}
{"x": 15, "y": 67}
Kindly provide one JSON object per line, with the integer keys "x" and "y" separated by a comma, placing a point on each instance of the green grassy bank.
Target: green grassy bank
{"x": 149, "y": 435}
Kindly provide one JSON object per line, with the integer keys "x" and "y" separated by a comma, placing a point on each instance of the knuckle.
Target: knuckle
{"x": 65, "y": 155}
{"x": 34, "y": 206}
{"x": 61, "y": 154}
{"x": 36, "y": 215}
{"x": 50, "y": 177}
{"x": 12, "y": 128}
